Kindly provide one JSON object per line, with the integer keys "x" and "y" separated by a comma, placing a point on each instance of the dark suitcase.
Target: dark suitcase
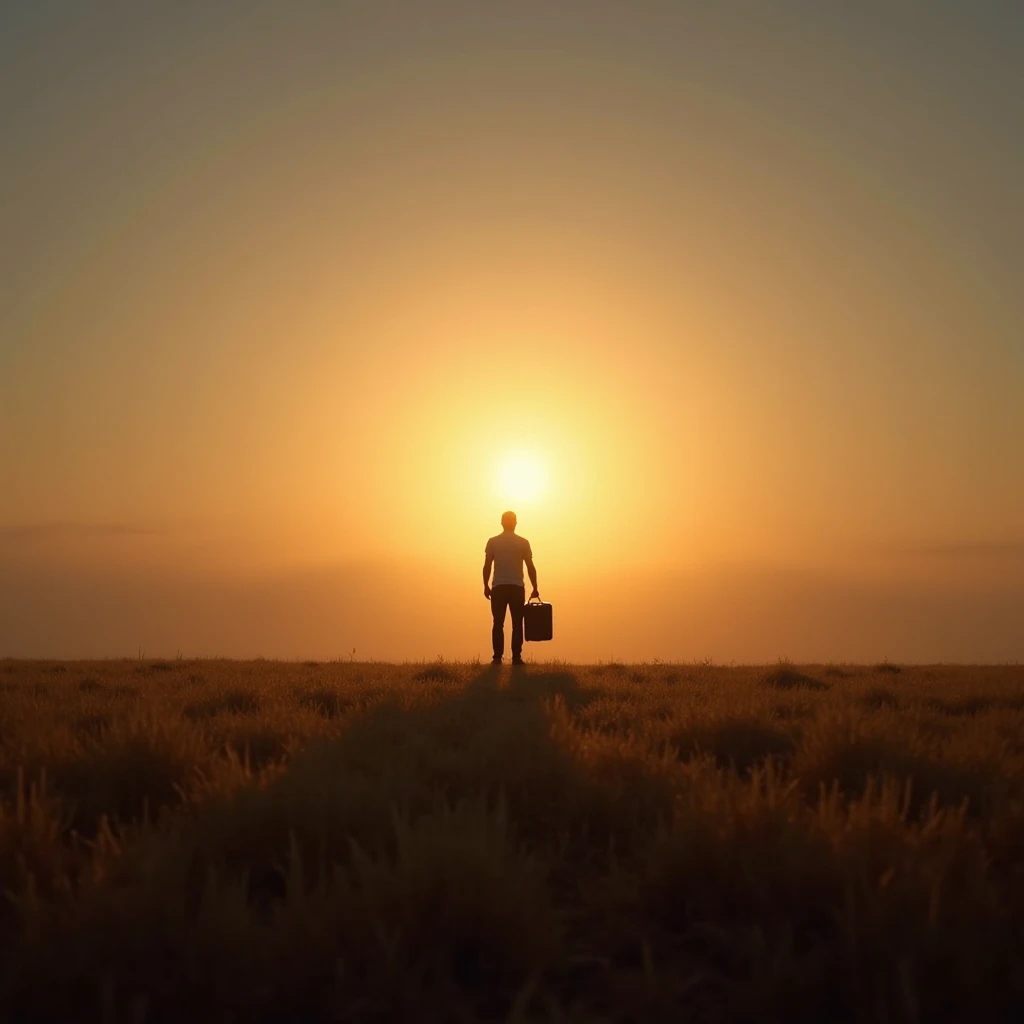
{"x": 536, "y": 620}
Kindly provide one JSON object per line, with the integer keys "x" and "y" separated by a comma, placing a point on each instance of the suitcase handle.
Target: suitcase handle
{"x": 535, "y": 599}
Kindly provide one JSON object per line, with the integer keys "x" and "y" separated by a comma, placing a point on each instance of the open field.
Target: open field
{"x": 228, "y": 841}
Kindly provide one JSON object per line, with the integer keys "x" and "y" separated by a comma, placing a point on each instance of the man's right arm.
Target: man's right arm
{"x": 488, "y": 562}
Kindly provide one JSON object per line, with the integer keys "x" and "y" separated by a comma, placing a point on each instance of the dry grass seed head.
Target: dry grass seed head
{"x": 785, "y": 677}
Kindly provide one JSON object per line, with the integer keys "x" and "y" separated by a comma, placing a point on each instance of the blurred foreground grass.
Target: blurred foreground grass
{"x": 261, "y": 841}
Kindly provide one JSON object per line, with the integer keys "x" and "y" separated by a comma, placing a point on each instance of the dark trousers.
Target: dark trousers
{"x": 512, "y": 597}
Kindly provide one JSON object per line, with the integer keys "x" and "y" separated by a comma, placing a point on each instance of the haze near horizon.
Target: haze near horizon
{"x": 723, "y": 300}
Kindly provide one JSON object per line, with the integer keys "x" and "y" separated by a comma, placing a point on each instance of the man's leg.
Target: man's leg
{"x": 516, "y": 600}
{"x": 499, "y": 602}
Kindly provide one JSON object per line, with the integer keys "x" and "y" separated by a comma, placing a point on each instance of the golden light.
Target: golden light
{"x": 521, "y": 477}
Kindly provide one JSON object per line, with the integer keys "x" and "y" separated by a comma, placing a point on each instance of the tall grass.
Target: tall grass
{"x": 219, "y": 841}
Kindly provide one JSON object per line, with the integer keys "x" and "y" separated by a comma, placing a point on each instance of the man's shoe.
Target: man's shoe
{"x": 496, "y": 660}
{"x": 517, "y": 660}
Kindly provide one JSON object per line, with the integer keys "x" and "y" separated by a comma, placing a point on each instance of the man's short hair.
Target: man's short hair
{"x": 508, "y": 519}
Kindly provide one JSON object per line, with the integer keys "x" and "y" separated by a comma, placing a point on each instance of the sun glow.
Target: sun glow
{"x": 521, "y": 477}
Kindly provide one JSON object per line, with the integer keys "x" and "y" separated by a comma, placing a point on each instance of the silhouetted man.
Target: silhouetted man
{"x": 507, "y": 552}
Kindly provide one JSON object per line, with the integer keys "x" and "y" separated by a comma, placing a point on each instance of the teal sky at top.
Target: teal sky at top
{"x": 100, "y": 102}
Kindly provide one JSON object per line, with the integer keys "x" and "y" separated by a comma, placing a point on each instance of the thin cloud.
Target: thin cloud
{"x": 72, "y": 530}
{"x": 976, "y": 549}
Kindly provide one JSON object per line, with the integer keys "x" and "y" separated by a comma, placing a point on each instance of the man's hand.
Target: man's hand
{"x": 536, "y": 593}
{"x": 487, "y": 592}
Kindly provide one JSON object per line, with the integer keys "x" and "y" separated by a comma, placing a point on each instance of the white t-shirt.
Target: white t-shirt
{"x": 509, "y": 551}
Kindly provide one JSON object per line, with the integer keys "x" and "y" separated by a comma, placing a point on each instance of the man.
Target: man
{"x": 507, "y": 553}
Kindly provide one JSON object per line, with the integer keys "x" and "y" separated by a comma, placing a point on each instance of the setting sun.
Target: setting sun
{"x": 521, "y": 477}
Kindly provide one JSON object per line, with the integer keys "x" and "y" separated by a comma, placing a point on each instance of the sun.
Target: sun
{"x": 521, "y": 477}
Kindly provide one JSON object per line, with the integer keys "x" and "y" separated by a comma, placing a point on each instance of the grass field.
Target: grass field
{"x": 229, "y": 841}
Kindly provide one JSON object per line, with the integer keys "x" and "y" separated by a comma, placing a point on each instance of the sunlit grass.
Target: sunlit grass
{"x": 265, "y": 841}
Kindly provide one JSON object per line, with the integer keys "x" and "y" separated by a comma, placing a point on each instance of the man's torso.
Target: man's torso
{"x": 509, "y": 551}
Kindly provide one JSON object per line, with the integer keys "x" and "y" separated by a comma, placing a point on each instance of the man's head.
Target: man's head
{"x": 508, "y": 520}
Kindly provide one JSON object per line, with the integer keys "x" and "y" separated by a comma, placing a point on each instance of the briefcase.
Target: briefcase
{"x": 536, "y": 620}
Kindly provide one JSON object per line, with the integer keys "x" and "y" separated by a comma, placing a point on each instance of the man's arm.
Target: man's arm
{"x": 488, "y": 562}
{"x": 532, "y": 570}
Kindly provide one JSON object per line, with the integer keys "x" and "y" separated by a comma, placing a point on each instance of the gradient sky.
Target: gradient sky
{"x": 284, "y": 284}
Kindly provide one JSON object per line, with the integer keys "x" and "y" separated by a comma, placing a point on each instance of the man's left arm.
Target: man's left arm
{"x": 532, "y": 570}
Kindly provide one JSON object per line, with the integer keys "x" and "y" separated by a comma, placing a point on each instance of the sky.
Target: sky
{"x": 723, "y": 299}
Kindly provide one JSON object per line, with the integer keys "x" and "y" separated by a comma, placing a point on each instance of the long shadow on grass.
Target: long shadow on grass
{"x": 503, "y": 740}
{"x": 462, "y": 820}
{"x": 491, "y": 739}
